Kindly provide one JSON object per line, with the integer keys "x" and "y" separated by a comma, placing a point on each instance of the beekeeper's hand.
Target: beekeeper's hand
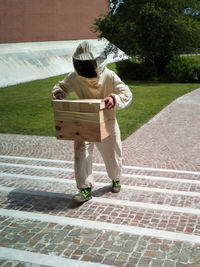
{"x": 109, "y": 102}
{"x": 57, "y": 95}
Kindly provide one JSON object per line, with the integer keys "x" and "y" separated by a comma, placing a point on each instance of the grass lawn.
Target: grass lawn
{"x": 26, "y": 108}
{"x": 192, "y": 59}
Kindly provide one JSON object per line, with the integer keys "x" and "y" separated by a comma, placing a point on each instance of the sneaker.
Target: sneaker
{"x": 84, "y": 195}
{"x": 116, "y": 186}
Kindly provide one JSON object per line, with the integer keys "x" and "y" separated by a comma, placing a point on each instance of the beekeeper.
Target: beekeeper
{"x": 92, "y": 80}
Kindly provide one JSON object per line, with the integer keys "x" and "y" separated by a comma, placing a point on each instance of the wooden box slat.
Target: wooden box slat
{"x": 82, "y": 105}
{"x": 82, "y": 120}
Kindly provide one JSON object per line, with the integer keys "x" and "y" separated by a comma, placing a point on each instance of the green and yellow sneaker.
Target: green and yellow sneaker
{"x": 116, "y": 186}
{"x": 84, "y": 195}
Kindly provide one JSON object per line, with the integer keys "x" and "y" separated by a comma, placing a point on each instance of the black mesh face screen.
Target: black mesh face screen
{"x": 85, "y": 68}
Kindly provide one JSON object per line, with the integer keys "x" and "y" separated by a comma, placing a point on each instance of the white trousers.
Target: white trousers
{"x": 111, "y": 152}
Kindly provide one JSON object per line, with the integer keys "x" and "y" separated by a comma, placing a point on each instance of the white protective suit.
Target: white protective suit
{"x": 107, "y": 83}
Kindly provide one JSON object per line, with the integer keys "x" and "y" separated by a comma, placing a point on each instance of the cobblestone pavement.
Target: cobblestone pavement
{"x": 153, "y": 221}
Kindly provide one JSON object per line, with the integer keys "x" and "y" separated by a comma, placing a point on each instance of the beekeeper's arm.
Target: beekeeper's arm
{"x": 122, "y": 94}
{"x": 62, "y": 89}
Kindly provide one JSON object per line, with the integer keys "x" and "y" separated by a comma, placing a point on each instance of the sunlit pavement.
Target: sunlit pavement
{"x": 153, "y": 221}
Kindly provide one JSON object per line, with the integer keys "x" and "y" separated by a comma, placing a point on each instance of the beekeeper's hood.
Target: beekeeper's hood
{"x": 87, "y": 61}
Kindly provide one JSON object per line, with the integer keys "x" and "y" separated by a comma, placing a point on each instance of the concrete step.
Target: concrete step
{"x": 156, "y": 212}
{"x": 102, "y": 210}
{"x": 143, "y": 171}
{"x": 64, "y": 241}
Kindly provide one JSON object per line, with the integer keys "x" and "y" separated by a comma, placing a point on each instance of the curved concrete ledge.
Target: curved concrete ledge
{"x": 22, "y": 62}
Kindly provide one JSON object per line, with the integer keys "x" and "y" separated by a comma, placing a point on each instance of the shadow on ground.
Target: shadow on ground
{"x": 30, "y": 200}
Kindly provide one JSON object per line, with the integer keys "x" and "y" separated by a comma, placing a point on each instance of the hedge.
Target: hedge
{"x": 180, "y": 69}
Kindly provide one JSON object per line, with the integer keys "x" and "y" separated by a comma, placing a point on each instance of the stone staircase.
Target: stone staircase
{"x": 153, "y": 221}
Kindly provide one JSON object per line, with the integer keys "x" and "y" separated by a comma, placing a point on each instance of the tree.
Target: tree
{"x": 154, "y": 30}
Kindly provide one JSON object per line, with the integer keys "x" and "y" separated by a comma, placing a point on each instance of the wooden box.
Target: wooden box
{"x": 82, "y": 120}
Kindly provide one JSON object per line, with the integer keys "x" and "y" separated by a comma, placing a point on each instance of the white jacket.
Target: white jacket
{"x": 107, "y": 84}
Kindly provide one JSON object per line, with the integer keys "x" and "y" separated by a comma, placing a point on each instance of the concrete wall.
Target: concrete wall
{"x": 48, "y": 20}
{"x": 24, "y": 62}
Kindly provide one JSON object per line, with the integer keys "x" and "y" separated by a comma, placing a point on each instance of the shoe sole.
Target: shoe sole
{"x": 116, "y": 190}
{"x": 82, "y": 200}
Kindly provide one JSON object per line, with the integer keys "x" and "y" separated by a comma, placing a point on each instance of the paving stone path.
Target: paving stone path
{"x": 153, "y": 221}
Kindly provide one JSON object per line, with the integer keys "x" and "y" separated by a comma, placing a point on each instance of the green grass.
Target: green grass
{"x": 192, "y": 59}
{"x": 148, "y": 99}
{"x": 26, "y": 108}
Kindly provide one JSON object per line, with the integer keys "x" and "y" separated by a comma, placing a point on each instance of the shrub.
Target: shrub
{"x": 182, "y": 69}
{"x": 133, "y": 70}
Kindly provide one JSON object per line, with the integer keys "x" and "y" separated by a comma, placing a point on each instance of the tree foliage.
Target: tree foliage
{"x": 154, "y": 30}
